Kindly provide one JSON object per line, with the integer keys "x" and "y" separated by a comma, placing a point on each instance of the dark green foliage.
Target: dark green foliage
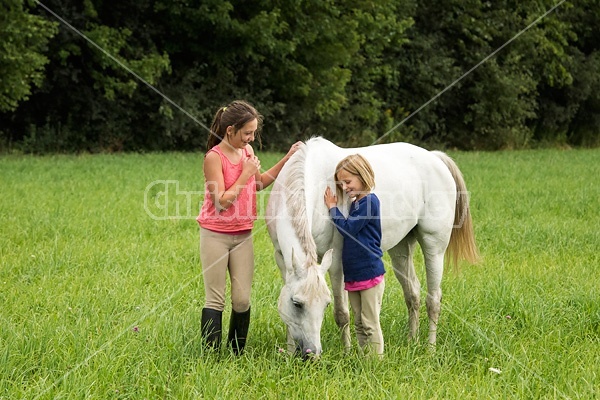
{"x": 494, "y": 100}
{"x": 150, "y": 75}
{"x": 570, "y": 108}
{"x": 22, "y": 46}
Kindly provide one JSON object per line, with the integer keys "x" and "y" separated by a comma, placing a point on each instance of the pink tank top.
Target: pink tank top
{"x": 240, "y": 216}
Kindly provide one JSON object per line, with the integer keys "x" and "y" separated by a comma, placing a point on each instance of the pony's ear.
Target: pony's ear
{"x": 293, "y": 258}
{"x": 295, "y": 264}
{"x": 326, "y": 260}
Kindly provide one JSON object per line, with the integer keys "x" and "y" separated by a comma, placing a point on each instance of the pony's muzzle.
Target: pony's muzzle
{"x": 307, "y": 352}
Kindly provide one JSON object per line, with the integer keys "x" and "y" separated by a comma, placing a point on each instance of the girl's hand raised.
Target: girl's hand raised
{"x": 251, "y": 166}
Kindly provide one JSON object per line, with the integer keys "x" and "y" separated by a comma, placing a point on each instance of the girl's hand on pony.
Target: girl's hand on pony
{"x": 330, "y": 198}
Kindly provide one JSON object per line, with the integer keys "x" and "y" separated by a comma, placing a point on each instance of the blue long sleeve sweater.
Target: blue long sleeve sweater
{"x": 361, "y": 253}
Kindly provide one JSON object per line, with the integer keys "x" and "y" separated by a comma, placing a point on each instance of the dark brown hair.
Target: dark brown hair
{"x": 236, "y": 114}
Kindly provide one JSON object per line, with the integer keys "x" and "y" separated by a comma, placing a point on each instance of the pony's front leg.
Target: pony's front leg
{"x": 341, "y": 312}
{"x": 292, "y": 347}
{"x": 291, "y": 343}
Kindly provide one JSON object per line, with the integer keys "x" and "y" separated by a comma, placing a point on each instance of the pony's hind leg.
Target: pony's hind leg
{"x": 404, "y": 269}
{"x": 435, "y": 269}
{"x": 433, "y": 252}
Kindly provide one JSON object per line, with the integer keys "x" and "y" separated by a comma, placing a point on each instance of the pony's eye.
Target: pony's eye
{"x": 297, "y": 304}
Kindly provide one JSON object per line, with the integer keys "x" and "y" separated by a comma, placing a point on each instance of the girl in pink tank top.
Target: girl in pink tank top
{"x": 232, "y": 175}
{"x": 240, "y": 216}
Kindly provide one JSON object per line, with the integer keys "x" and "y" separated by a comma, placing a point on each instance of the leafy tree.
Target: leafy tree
{"x": 288, "y": 58}
{"x": 486, "y": 105}
{"x": 149, "y": 75}
{"x": 84, "y": 99}
{"x": 570, "y": 108}
{"x": 380, "y": 28}
{"x": 24, "y": 39}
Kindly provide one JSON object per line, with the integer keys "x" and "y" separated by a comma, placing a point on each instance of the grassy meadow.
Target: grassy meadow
{"x": 101, "y": 290}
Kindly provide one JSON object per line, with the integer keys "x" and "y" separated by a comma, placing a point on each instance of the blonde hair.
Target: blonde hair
{"x": 357, "y": 165}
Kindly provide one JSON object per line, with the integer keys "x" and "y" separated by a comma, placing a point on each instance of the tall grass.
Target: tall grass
{"x": 101, "y": 290}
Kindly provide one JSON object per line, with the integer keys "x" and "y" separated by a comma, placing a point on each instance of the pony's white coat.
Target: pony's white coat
{"x": 423, "y": 198}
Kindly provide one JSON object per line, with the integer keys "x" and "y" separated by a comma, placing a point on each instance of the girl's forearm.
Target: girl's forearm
{"x": 228, "y": 197}
{"x": 268, "y": 177}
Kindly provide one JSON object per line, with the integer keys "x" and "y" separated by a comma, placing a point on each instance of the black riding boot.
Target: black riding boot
{"x": 211, "y": 328}
{"x": 238, "y": 330}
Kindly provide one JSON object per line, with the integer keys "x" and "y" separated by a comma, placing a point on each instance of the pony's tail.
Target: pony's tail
{"x": 462, "y": 244}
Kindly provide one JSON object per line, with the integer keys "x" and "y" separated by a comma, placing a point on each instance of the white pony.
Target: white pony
{"x": 423, "y": 199}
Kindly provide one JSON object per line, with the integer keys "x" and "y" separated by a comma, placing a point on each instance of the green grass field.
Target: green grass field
{"x": 101, "y": 290}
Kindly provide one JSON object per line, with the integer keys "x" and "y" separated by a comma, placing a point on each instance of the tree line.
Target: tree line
{"x": 149, "y": 75}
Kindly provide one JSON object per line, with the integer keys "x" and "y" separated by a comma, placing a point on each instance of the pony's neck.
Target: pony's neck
{"x": 296, "y": 201}
{"x": 320, "y": 162}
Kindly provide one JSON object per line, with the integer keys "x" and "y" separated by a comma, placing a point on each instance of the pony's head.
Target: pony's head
{"x": 303, "y": 301}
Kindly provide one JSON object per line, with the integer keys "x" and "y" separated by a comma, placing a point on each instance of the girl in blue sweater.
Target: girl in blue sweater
{"x": 361, "y": 253}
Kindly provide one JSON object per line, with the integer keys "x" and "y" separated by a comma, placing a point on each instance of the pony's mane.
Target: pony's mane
{"x": 295, "y": 200}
